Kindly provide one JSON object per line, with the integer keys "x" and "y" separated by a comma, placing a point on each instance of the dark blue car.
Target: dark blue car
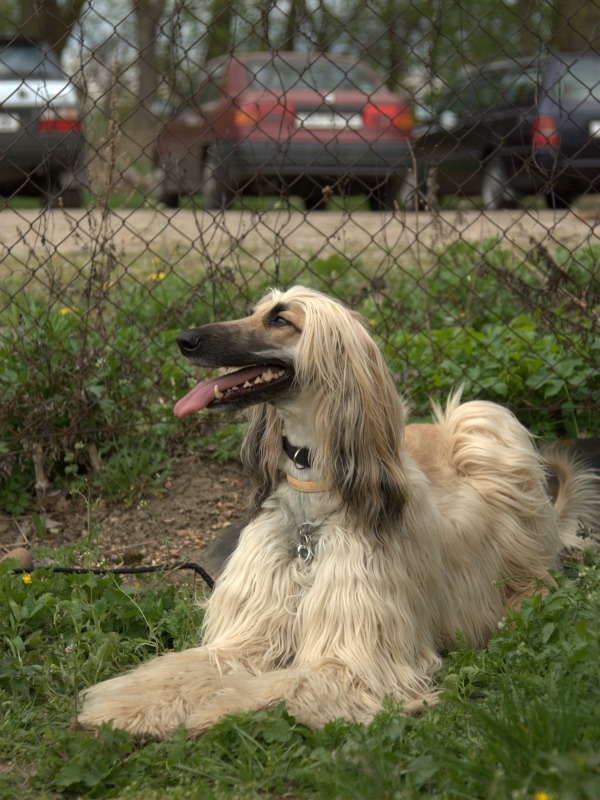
{"x": 511, "y": 128}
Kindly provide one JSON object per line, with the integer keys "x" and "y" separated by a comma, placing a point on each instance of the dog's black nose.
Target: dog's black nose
{"x": 188, "y": 342}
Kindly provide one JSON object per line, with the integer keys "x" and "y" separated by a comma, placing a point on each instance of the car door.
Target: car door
{"x": 190, "y": 131}
{"x": 447, "y": 154}
{"x": 511, "y": 121}
{"x": 504, "y": 97}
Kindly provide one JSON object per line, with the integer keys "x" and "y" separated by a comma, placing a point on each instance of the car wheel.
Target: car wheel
{"x": 71, "y": 197}
{"x": 217, "y": 195}
{"x": 562, "y": 200}
{"x": 169, "y": 197}
{"x": 496, "y": 191}
{"x": 315, "y": 200}
{"x": 385, "y": 196}
{"x": 409, "y": 196}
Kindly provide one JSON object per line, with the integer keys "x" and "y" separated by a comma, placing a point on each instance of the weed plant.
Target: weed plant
{"x": 519, "y": 720}
{"x": 90, "y": 369}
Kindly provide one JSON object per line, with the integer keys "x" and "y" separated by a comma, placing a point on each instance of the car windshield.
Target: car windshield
{"x": 28, "y": 61}
{"x": 579, "y": 81}
{"x": 320, "y": 75}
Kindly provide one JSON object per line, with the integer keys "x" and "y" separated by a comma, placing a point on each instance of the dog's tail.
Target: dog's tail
{"x": 575, "y": 489}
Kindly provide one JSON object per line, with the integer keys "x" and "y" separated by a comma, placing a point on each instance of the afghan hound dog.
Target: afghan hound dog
{"x": 372, "y": 543}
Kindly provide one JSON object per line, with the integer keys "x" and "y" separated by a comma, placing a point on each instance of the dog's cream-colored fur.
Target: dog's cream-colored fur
{"x": 424, "y": 531}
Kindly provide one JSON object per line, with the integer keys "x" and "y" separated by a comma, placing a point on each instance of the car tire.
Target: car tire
{"x": 560, "y": 201}
{"x": 165, "y": 197}
{"x": 168, "y": 199}
{"x": 71, "y": 197}
{"x": 409, "y": 196}
{"x": 315, "y": 200}
{"x": 217, "y": 195}
{"x": 496, "y": 191}
{"x": 385, "y": 196}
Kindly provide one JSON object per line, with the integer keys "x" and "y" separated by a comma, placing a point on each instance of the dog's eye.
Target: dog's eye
{"x": 278, "y": 321}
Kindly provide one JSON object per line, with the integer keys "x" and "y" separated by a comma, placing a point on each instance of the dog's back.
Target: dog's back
{"x": 491, "y": 485}
{"x": 484, "y": 444}
{"x": 575, "y": 490}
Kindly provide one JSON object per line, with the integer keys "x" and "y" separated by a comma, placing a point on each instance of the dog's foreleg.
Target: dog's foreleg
{"x": 313, "y": 696}
{"x": 155, "y": 698}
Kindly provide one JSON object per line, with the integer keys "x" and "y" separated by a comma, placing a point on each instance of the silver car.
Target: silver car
{"x": 42, "y": 151}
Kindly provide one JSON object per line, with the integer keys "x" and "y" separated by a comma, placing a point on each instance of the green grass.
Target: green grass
{"x": 519, "y": 719}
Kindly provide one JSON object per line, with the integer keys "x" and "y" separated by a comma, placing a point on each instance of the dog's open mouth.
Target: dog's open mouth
{"x": 242, "y": 387}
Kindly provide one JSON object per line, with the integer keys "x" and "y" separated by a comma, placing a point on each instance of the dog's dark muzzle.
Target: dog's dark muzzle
{"x": 228, "y": 344}
{"x": 219, "y": 344}
{"x": 189, "y": 343}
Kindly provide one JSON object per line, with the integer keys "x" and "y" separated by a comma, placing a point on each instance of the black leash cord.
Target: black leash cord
{"x": 125, "y": 570}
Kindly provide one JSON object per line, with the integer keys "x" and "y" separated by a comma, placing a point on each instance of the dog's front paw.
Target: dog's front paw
{"x": 129, "y": 707}
{"x": 154, "y": 699}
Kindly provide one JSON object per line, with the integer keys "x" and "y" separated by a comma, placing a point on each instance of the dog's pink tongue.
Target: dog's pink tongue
{"x": 203, "y": 394}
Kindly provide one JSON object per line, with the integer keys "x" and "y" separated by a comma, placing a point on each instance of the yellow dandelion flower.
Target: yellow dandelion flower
{"x": 66, "y": 310}
{"x": 27, "y": 578}
{"x": 156, "y": 276}
{"x": 542, "y": 796}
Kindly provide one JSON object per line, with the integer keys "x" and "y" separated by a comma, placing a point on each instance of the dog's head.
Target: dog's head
{"x": 261, "y": 348}
{"x": 309, "y": 352}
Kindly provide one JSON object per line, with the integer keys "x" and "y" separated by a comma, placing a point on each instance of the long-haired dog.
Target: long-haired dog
{"x": 372, "y": 543}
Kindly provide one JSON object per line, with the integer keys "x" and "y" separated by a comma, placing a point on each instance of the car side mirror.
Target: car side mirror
{"x": 448, "y": 120}
{"x": 162, "y": 109}
{"x": 423, "y": 113}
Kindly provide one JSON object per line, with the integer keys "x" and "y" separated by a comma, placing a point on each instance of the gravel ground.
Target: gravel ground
{"x": 29, "y": 234}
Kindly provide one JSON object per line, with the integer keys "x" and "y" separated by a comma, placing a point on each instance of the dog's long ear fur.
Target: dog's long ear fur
{"x": 358, "y": 415}
{"x": 261, "y": 453}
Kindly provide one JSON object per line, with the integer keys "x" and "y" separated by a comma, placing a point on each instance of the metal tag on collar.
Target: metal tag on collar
{"x": 305, "y": 546}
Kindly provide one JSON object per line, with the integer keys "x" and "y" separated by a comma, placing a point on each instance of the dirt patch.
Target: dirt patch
{"x": 200, "y": 499}
{"x": 194, "y": 517}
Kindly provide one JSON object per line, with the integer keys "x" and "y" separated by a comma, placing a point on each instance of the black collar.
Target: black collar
{"x": 300, "y": 456}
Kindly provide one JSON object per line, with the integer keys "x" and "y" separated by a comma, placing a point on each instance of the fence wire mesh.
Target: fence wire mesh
{"x": 162, "y": 162}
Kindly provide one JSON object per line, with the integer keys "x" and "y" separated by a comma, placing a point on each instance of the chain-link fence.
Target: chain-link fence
{"x": 432, "y": 164}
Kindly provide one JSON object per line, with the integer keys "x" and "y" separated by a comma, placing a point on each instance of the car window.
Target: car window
{"x": 28, "y": 61}
{"x": 211, "y": 89}
{"x": 456, "y": 100}
{"x": 520, "y": 90}
{"x": 321, "y": 75}
{"x": 477, "y": 92}
{"x": 578, "y": 81}
{"x": 488, "y": 90}
{"x": 497, "y": 87}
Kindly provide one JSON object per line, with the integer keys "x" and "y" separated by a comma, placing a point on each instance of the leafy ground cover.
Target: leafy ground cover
{"x": 519, "y": 719}
{"x": 83, "y": 393}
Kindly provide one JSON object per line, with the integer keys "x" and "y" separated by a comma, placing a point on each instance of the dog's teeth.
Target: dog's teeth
{"x": 267, "y": 376}
{"x": 247, "y": 385}
{"x": 258, "y": 380}
{"x": 218, "y": 393}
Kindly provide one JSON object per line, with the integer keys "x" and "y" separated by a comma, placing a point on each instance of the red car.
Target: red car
{"x": 290, "y": 123}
